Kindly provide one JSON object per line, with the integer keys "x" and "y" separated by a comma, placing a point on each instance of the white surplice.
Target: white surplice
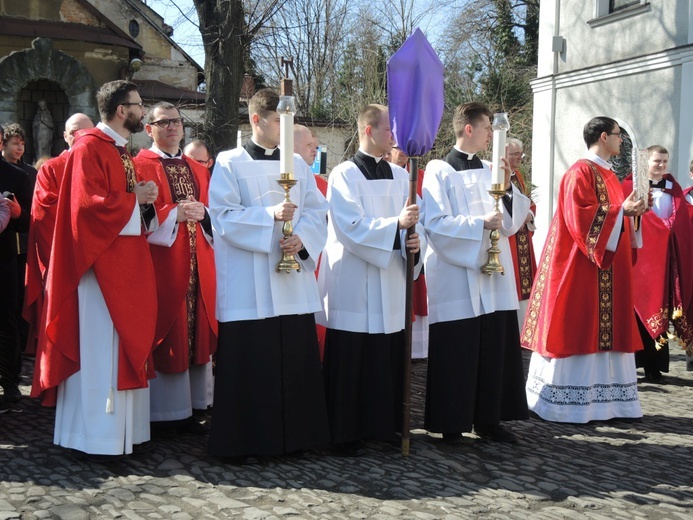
{"x": 454, "y": 206}
{"x": 362, "y": 279}
{"x": 242, "y": 196}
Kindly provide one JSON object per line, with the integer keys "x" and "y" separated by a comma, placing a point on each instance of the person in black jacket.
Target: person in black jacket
{"x": 14, "y": 184}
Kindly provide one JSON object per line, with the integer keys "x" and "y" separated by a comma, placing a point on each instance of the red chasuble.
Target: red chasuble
{"x": 94, "y": 205}
{"x": 186, "y": 328}
{"x": 43, "y": 209}
{"x": 522, "y": 249}
{"x": 664, "y": 264}
{"x": 582, "y": 301}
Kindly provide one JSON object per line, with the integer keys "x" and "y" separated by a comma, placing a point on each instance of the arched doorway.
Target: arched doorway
{"x": 27, "y": 105}
{"x": 43, "y": 70}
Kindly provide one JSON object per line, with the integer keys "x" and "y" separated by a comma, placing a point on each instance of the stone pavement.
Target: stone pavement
{"x": 596, "y": 471}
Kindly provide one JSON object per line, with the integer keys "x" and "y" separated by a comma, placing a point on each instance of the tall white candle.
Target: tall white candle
{"x": 501, "y": 125}
{"x": 498, "y": 174}
{"x": 239, "y": 139}
{"x": 286, "y": 143}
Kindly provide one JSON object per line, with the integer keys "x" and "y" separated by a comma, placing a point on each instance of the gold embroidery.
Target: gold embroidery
{"x": 606, "y": 288}
{"x": 180, "y": 180}
{"x": 658, "y": 321}
{"x": 532, "y": 318}
{"x": 129, "y": 168}
{"x": 600, "y": 216}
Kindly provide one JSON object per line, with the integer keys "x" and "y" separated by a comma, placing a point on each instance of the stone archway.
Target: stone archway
{"x": 19, "y": 69}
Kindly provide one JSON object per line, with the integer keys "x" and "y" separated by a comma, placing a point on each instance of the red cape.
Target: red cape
{"x": 582, "y": 301}
{"x": 43, "y": 208}
{"x": 663, "y": 267}
{"x": 93, "y": 208}
{"x": 522, "y": 249}
{"x": 173, "y": 272}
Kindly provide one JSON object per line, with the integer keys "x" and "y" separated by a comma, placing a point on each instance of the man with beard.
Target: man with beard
{"x": 100, "y": 288}
{"x": 186, "y": 329}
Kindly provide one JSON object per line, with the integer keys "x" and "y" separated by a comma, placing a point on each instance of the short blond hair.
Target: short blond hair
{"x": 370, "y": 116}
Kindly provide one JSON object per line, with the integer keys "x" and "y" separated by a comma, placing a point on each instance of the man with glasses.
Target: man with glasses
{"x": 100, "y": 289}
{"x": 524, "y": 261}
{"x": 580, "y": 322}
{"x": 198, "y": 151}
{"x": 186, "y": 329}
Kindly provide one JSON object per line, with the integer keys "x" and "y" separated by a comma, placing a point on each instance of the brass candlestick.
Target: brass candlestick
{"x": 493, "y": 264}
{"x": 288, "y": 261}
{"x": 286, "y": 109}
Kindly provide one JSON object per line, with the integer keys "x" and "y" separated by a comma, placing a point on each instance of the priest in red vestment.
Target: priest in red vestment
{"x": 186, "y": 328}
{"x": 521, "y": 247}
{"x": 100, "y": 288}
{"x": 664, "y": 261}
{"x": 580, "y": 322}
{"x": 43, "y": 207}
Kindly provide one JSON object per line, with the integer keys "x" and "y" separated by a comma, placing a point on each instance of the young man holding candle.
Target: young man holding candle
{"x": 362, "y": 280}
{"x": 269, "y": 397}
{"x": 475, "y": 374}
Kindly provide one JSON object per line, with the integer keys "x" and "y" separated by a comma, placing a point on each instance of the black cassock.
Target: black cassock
{"x": 268, "y": 393}
{"x": 475, "y": 373}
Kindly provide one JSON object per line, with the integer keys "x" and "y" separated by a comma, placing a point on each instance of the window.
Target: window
{"x": 134, "y": 28}
{"x": 617, "y": 5}
{"x": 609, "y": 11}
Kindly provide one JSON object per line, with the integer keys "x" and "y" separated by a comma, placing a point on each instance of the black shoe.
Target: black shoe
{"x": 91, "y": 457}
{"x": 495, "y": 432}
{"x": 142, "y": 447}
{"x": 348, "y": 449}
{"x": 192, "y": 427}
{"x": 457, "y": 439}
{"x": 4, "y": 407}
{"x": 654, "y": 376}
{"x": 12, "y": 393}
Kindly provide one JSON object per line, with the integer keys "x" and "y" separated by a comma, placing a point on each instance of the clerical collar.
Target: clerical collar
{"x": 470, "y": 156}
{"x": 598, "y": 160}
{"x": 119, "y": 139}
{"x": 661, "y": 184}
{"x": 266, "y": 151}
{"x": 376, "y": 157}
{"x": 166, "y": 155}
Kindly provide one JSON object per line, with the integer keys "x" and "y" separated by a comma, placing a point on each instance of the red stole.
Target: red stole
{"x": 522, "y": 249}
{"x": 186, "y": 327}
{"x": 662, "y": 267}
{"x": 581, "y": 301}
{"x": 94, "y": 205}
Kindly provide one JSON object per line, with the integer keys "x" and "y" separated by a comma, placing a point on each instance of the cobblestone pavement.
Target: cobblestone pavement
{"x": 597, "y": 471}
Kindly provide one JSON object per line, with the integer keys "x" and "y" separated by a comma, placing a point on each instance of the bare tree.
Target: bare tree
{"x": 227, "y": 28}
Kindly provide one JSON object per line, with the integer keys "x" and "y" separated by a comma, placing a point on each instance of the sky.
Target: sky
{"x": 182, "y": 16}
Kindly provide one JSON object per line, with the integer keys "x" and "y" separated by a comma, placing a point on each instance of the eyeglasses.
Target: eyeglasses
{"x": 516, "y": 154}
{"x": 139, "y": 103}
{"x": 164, "y": 123}
{"x": 615, "y": 133}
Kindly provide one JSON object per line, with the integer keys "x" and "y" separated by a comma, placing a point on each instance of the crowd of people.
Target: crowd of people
{"x": 148, "y": 290}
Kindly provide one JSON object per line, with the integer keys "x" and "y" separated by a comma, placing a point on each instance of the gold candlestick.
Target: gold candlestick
{"x": 288, "y": 261}
{"x": 287, "y": 109}
{"x": 493, "y": 264}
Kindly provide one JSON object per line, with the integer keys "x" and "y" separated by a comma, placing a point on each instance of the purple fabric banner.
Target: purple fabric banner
{"x": 415, "y": 94}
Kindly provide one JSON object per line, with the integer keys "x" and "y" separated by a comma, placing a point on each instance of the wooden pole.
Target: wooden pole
{"x": 409, "y": 307}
